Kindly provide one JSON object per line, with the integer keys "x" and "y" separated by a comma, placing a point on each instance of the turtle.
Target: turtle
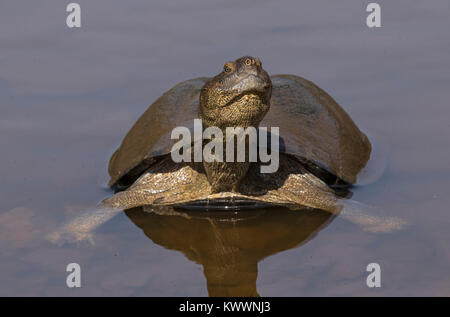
{"x": 320, "y": 150}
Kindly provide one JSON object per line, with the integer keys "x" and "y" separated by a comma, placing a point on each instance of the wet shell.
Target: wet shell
{"x": 312, "y": 125}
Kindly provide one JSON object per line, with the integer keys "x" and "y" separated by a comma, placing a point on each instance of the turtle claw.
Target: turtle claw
{"x": 386, "y": 225}
{"x": 70, "y": 237}
{"x": 81, "y": 229}
{"x": 366, "y": 217}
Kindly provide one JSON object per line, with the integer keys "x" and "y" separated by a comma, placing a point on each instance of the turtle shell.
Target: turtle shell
{"x": 312, "y": 126}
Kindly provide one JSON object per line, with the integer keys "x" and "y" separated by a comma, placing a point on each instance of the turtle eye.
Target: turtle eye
{"x": 227, "y": 68}
{"x": 248, "y": 61}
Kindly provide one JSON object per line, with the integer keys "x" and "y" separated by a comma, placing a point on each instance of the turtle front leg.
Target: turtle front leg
{"x": 313, "y": 194}
{"x": 296, "y": 187}
{"x": 164, "y": 184}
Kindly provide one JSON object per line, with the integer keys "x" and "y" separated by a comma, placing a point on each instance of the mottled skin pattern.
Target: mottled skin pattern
{"x": 237, "y": 97}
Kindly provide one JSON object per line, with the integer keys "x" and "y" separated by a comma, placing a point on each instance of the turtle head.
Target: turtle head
{"x": 238, "y": 96}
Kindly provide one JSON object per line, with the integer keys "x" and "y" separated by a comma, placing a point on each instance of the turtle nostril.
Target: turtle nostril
{"x": 253, "y": 71}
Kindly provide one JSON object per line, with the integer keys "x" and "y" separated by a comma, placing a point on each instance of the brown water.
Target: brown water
{"x": 68, "y": 96}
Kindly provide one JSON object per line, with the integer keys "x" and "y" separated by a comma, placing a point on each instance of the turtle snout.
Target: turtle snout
{"x": 251, "y": 82}
{"x": 252, "y": 70}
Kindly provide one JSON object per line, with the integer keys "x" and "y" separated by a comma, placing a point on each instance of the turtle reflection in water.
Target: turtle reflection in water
{"x": 322, "y": 147}
{"x": 230, "y": 247}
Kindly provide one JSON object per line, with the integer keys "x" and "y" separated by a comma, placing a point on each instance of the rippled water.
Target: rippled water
{"x": 68, "y": 96}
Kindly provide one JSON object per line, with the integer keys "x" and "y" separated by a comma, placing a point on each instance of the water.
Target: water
{"x": 68, "y": 96}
